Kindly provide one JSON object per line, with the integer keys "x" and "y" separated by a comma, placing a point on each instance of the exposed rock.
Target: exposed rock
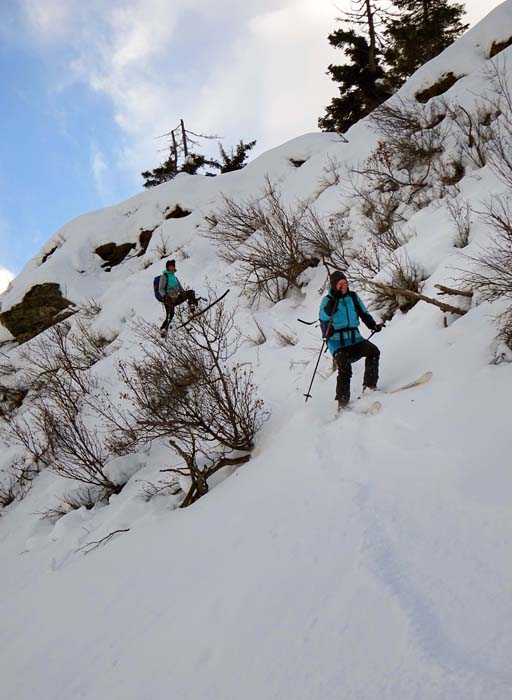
{"x": 113, "y": 254}
{"x": 177, "y": 213}
{"x": 444, "y": 83}
{"x": 41, "y": 307}
{"x": 48, "y": 254}
{"x": 296, "y": 163}
{"x": 144, "y": 239}
{"x": 499, "y": 46}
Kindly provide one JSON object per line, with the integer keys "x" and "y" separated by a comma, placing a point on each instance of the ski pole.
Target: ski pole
{"x": 382, "y": 325}
{"x": 308, "y": 395}
{"x": 324, "y": 341}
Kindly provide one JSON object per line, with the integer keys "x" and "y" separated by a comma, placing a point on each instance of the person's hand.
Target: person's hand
{"x": 329, "y": 332}
{"x": 378, "y": 327}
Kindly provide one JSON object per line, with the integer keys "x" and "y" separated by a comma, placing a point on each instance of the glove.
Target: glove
{"x": 329, "y": 332}
{"x": 378, "y": 327}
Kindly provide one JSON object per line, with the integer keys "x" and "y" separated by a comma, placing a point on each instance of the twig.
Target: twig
{"x": 93, "y": 545}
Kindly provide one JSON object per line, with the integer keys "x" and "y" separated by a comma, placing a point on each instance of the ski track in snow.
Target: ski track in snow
{"x": 385, "y": 563}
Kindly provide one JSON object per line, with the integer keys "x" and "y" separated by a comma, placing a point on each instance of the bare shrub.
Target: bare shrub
{"x": 163, "y": 488}
{"x": 9, "y": 491}
{"x": 193, "y": 397}
{"x": 15, "y": 481}
{"x": 285, "y": 337}
{"x": 472, "y": 130}
{"x": 83, "y": 497}
{"x": 370, "y": 260}
{"x": 381, "y": 211}
{"x": 260, "y": 336}
{"x": 413, "y": 133}
{"x": 162, "y": 246}
{"x": 403, "y": 169}
{"x": 491, "y": 273}
{"x": 235, "y": 223}
{"x": 499, "y": 100}
{"x": 12, "y": 391}
{"x": 460, "y": 213}
{"x": 404, "y": 281}
{"x": 505, "y": 328}
{"x": 331, "y": 175}
{"x": 384, "y": 172}
{"x": 264, "y": 238}
{"x": 89, "y": 309}
{"x": 327, "y": 238}
{"x": 62, "y": 352}
{"x": 59, "y": 428}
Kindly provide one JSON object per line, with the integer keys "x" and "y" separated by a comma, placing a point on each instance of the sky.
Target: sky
{"x": 87, "y": 89}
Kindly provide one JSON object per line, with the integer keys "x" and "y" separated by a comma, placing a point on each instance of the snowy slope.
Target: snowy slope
{"x": 357, "y": 558}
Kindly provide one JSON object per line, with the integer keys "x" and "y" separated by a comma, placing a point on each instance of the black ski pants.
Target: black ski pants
{"x": 171, "y": 303}
{"x": 344, "y": 357}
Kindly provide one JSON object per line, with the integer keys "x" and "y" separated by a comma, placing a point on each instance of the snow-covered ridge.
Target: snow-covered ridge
{"x": 360, "y": 557}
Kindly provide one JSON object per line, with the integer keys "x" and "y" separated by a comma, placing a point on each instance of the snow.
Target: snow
{"x": 356, "y": 557}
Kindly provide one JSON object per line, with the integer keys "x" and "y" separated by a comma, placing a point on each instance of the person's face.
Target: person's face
{"x": 342, "y": 286}
{"x": 171, "y": 268}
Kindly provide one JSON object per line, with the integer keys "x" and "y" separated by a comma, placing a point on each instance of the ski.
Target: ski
{"x": 307, "y": 323}
{"x": 200, "y": 313}
{"x": 424, "y": 379}
{"x": 376, "y": 406}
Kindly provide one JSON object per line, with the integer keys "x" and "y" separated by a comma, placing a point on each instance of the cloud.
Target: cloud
{"x": 5, "y": 277}
{"x": 5, "y": 234}
{"x": 100, "y": 171}
{"x": 243, "y": 70}
{"x": 253, "y": 70}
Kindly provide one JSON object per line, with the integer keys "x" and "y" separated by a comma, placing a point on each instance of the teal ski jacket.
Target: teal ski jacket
{"x": 169, "y": 284}
{"x": 345, "y": 312}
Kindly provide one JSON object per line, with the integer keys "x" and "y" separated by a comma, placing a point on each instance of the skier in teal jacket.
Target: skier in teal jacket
{"x": 173, "y": 294}
{"x": 340, "y": 311}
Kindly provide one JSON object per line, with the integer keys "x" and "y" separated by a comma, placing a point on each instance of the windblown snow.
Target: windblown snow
{"x": 354, "y": 557}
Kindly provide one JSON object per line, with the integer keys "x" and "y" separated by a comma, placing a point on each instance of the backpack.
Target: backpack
{"x": 156, "y": 285}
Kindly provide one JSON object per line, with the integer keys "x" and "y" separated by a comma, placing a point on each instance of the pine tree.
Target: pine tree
{"x": 182, "y": 160}
{"x": 235, "y": 160}
{"x": 165, "y": 172}
{"x": 362, "y": 80}
{"x": 418, "y": 31}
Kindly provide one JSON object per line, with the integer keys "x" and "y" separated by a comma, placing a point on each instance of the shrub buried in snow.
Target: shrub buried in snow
{"x": 187, "y": 392}
{"x": 271, "y": 244}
